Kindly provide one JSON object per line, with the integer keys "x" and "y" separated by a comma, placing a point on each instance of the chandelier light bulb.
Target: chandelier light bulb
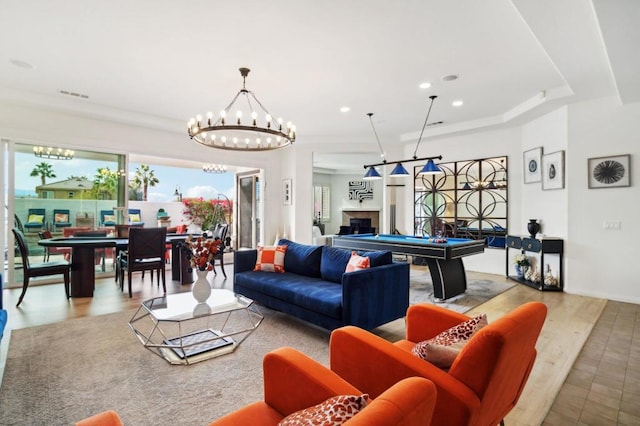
{"x": 199, "y": 117}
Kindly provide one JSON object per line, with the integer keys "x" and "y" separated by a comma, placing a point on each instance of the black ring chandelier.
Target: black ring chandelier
{"x": 224, "y": 132}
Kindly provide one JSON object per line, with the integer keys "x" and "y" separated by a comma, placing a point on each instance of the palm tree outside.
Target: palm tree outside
{"x": 44, "y": 170}
{"x": 145, "y": 178}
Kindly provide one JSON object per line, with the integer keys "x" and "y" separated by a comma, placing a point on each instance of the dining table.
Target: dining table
{"x": 83, "y": 273}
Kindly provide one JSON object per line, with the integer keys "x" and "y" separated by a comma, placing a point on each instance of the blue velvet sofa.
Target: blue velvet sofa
{"x": 315, "y": 288}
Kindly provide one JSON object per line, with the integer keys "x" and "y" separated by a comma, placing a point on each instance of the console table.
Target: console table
{"x": 539, "y": 248}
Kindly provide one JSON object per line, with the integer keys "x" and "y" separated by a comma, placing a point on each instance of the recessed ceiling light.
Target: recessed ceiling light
{"x": 450, "y": 77}
{"x": 21, "y": 64}
{"x": 457, "y": 103}
{"x": 73, "y": 94}
{"x": 425, "y": 85}
{"x": 345, "y": 109}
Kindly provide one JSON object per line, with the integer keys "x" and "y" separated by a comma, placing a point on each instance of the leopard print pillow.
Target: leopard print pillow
{"x": 332, "y": 412}
{"x": 443, "y": 349}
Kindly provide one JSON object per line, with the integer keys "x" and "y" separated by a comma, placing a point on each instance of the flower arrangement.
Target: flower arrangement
{"x": 522, "y": 260}
{"x": 200, "y": 252}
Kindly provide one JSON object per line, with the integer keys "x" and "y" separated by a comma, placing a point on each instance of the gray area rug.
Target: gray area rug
{"x": 478, "y": 291}
{"x": 60, "y": 373}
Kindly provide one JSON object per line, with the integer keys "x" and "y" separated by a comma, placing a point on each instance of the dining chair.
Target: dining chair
{"x": 220, "y": 234}
{"x": 61, "y": 218}
{"x": 145, "y": 252}
{"x": 30, "y": 270}
{"x": 48, "y": 251}
{"x": 122, "y": 231}
{"x": 36, "y": 220}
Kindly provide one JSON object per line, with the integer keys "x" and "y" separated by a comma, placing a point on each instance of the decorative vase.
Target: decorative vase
{"x": 519, "y": 271}
{"x": 201, "y": 288}
{"x": 533, "y": 227}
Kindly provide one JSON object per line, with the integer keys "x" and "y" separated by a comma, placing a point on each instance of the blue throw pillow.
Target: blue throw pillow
{"x": 334, "y": 261}
{"x": 302, "y": 259}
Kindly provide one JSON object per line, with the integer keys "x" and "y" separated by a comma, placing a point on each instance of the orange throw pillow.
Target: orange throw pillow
{"x": 357, "y": 263}
{"x": 270, "y": 259}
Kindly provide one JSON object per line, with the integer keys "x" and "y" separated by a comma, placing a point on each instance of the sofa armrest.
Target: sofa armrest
{"x": 293, "y": 381}
{"x": 374, "y": 296}
{"x": 425, "y": 321}
{"x": 373, "y": 364}
{"x": 244, "y": 260}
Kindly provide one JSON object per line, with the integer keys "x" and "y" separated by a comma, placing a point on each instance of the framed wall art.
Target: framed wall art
{"x": 532, "y": 166}
{"x": 286, "y": 192}
{"x": 553, "y": 170}
{"x": 609, "y": 172}
{"x": 360, "y": 190}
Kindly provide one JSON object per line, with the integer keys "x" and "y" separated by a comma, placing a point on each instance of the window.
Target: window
{"x": 321, "y": 203}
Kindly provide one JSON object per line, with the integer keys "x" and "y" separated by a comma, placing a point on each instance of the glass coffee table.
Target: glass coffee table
{"x": 182, "y": 331}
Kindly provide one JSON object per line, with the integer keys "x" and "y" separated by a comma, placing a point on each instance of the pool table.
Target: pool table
{"x": 444, "y": 259}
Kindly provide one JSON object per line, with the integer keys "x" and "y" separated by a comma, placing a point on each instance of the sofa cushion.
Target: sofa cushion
{"x": 302, "y": 259}
{"x": 309, "y": 293}
{"x": 334, "y": 261}
{"x": 443, "y": 349}
{"x": 270, "y": 259}
{"x": 357, "y": 263}
{"x": 332, "y": 412}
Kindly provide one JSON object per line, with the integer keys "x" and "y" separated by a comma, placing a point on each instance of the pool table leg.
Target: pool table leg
{"x": 448, "y": 276}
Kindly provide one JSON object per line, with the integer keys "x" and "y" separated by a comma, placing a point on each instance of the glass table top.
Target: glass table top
{"x": 182, "y": 306}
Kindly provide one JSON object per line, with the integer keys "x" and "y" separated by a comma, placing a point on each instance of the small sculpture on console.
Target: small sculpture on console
{"x": 533, "y": 227}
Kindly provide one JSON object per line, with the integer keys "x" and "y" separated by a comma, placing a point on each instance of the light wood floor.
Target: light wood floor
{"x": 569, "y": 322}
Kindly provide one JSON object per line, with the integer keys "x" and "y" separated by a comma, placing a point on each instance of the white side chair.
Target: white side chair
{"x": 317, "y": 238}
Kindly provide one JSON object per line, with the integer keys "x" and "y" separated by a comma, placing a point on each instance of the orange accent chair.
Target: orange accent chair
{"x": 293, "y": 381}
{"x": 482, "y": 385}
{"x": 106, "y": 418}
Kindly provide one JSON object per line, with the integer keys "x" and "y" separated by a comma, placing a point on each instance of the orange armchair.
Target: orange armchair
{"x": 484, "y": 381}
{"x": 293, "y": 381}
{"x": 106, "y": 418}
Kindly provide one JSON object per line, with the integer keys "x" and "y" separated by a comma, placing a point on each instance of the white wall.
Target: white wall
{"x": 600, "y": 262}
{"x": 548, "y": 206}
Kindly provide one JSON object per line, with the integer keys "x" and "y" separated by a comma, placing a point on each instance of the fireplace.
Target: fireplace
{"x": 361, "y": 218}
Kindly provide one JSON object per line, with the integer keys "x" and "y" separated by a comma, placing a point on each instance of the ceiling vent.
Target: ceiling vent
{"x": 73, "y": 94}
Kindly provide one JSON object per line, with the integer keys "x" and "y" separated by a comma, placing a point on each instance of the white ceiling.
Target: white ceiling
{"x": 159, "y": 62}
